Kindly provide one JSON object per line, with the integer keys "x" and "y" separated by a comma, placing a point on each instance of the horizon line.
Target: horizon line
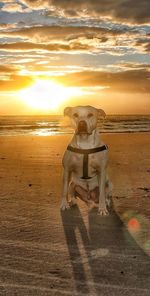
{"x": 111, "y": 114}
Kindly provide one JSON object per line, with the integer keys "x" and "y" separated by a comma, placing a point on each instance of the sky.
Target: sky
{"x": 58, "y": 53}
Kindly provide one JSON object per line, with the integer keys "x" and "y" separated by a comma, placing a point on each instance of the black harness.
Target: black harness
{"x": 86, "y": 153}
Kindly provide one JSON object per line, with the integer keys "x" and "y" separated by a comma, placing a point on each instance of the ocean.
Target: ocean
{"x": 52, "y": 125}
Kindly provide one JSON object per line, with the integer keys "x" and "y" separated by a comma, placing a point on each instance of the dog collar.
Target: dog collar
{"x": 86, "y": 153}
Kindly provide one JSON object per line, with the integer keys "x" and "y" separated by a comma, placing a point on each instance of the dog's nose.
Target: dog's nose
{"x": 82, "y": 126}
{"x": 82, "y": 123}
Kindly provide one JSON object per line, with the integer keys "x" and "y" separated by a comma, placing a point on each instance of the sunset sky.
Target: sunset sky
{"x": 56, "y": 53}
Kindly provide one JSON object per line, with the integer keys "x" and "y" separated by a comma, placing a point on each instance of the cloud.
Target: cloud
{"x": 15, "y": 82}
{"x": 144, "y": 44}
{"x": 4, "y": 26}
{"x": 58, "y": 47}
{"x": 12, "y": 7}
{"x": 76, "y": 46}
{"x": 125, "y": 81}
{"x": 129, "y": 66}
{"x": 7, "y": 69}
{"x": 147, "y": 47}
{"x": 67, "y": 33}
{"x": 120, "y": 10}
{"x": 113, "y": 40}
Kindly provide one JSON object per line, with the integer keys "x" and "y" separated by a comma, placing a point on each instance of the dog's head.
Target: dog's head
{"x": 84, "y": 118}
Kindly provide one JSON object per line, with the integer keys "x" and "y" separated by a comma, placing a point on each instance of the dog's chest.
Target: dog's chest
{"x": 78, "y": 163}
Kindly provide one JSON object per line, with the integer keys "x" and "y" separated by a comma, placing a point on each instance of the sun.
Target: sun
{"x": 47, "y": 95}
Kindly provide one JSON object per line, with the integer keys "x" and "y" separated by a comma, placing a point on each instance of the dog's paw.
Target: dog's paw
{"x": 73, "y": 202}
{"x": 102, "y": 211}
{"x": 64, "y": 205}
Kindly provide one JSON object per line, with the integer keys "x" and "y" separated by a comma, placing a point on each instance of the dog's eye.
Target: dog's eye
{"x": 76, "y": 115}
{"x": 90, "y": 115}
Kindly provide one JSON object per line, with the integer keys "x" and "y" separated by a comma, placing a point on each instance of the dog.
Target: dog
{"x": 85, "y": 162}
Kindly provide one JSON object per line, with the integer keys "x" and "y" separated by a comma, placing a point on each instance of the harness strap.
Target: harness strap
{"x": 86, "y": 153}
{"x": 85, "y": 166}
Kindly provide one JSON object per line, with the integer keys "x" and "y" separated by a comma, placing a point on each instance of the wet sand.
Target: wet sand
{"x": 46, "y": 252}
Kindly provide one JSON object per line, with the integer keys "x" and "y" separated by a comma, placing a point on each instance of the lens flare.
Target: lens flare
{"x": 133, "y": 225}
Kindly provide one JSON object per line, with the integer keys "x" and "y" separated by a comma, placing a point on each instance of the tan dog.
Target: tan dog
{"x": 85, "y": 161}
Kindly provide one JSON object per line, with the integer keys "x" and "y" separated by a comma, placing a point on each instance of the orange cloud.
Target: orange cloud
{"x": 28, "y": 46}
{"x": 131, "y": 81}
{"x": 126, "y": 81}
{"x": 15, "y": 82}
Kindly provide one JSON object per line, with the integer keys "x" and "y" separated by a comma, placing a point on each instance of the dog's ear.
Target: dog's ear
{"x": 68, "y": 111}
{"x": 101, "y": 112}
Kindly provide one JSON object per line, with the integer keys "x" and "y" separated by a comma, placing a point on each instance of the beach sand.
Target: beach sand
{"x": 77, "y": 252}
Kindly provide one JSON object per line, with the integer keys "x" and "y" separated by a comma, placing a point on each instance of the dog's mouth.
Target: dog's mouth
{"x": 82, "y": 127}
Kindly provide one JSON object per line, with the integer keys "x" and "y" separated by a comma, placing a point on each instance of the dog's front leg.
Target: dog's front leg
{"x": 102, "y": 209}
{"x": 64, "y": 203}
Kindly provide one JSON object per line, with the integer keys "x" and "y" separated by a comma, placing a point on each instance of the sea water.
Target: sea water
{"x": 50, "y": 124}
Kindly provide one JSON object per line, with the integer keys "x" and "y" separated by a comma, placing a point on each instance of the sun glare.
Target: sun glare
{"x": 47, "y": 95}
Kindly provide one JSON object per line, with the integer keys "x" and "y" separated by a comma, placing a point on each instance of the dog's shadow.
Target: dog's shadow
{"x": 104, "y": 256}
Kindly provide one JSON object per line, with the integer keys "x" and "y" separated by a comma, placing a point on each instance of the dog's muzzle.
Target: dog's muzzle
{"x": 82, "y": 127}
